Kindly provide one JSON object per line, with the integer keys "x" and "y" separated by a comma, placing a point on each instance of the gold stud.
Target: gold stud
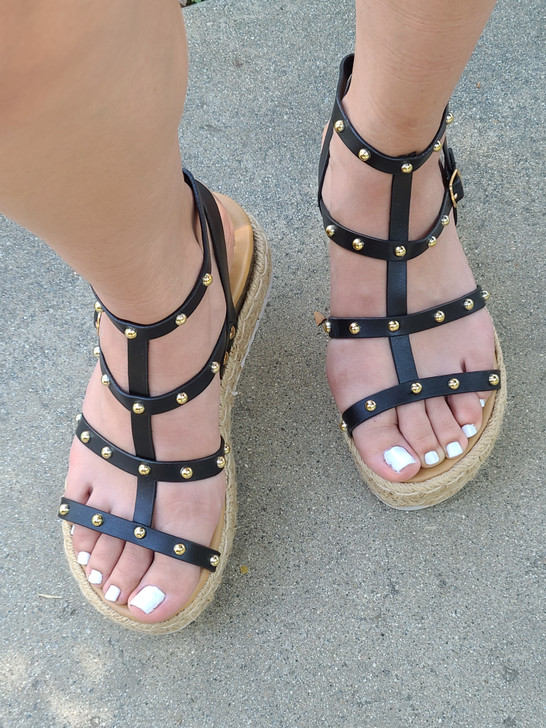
{"x": 327, "y": 326}
{"x": 232, "y": 332}
{"x": 449, "y": 117}
{"x": 444, "y": 220}
{"x": 214, "y": 560}
{"x": 186, "y": 473}
{"x": 416, "y": 387}
{"x": 105, "y": 379}
{"x": 106, "y": 453}
{"x": 339, "y": 126}
{"x": 486, "y": 295}
{"x": 494, "y": 379}
{"x": 439, "y": 316}
{"x": 370, "y": 405}
{"x": 358, "y": 244}
{"x": 207, "y": 279}
{"x": 354, "y": 328}
{"x": 85, "y": 436}
{"x": 407, "y": 168}
{"x": 227, "y": 449}
{"x": 221, "y": 462}
{"x": 343, "y": 426}
{"x": 96, "y": 351}
{"x": 215, "y": 367}
{"x": 330, "y": 230}
{"x": 64, "y": 509}
{"x": 394, "y": 325}
{"x": 364, "y": 155}
{"x": 453, "y": 383}
{"x": 98, "y": 307}
{"x": 138, "y": 408}
{"x": 437, "y": 146}
{"x": 97, "y": 520}
{"x": 179, "y": 549}
{"x": 182, "y": 398}
{"x": 139, "y": 532}
{"x": 130, "y": 333}
{"x": 431, "y": 242}
{"x": 400, "y": 251}
{"x": 144, "y": 469}
{"x": 468, "y": 304}
{"x": 181, "y": 319}
{"x": 78, "y": 417}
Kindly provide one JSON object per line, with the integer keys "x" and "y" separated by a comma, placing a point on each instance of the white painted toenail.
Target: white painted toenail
{"x": 147, "y": 599}
{"x": 398, "y": 458}
{"x": 482, "y": 402}
{"x": 454, "y": 449}
{"x": 112, "y": 593}
{"x": 83, "y": 558}
{"x": 432, "y": 457}
{"x": 469, "y": 430}
{"x": 95, "y": 577}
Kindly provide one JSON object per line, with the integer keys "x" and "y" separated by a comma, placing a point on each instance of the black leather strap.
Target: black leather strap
{"x": 402, "y": 393}
{"x": 176, "y": 397}
{"x": 149, "y": 538}
{"x": 387, "y": 326}
{"x": 168, "y": 471}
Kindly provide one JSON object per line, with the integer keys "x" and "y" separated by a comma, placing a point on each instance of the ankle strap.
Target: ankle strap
{"x": 364, "y": 151}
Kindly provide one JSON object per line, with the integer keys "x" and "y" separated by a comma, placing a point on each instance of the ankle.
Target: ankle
{"x": 151, "y": 284}
{"x": 359, "y": 196}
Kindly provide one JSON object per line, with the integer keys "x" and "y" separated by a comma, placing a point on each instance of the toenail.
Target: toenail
{"x": 112, "y": 593}
{"x": 469, "y": 430}
{"x": 83, "y": 558}
{"x": 95, "y": 577}
{"x": 432, "y": 457}
{"x": 482, "y": 402}
{"x": 398, "y": 458}
{"x": 147, "y": 599}
{"x": 454, "y": 449}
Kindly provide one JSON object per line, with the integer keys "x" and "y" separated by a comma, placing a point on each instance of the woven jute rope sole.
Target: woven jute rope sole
{"x": 248, "y": 321}
{"x": 413, "y": 495}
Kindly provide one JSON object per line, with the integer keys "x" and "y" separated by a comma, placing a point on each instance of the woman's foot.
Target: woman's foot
{"x": 398, "y": 443}
{"x": 155, "y": 587}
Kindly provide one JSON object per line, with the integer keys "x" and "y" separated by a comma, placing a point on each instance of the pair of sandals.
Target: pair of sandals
{"x": 245, "y": 286}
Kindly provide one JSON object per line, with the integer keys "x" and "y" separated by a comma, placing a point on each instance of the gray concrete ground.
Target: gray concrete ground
{"x": 351, "y": 614}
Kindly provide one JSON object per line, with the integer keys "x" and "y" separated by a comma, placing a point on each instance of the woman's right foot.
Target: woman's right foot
{"x": 154, "y": 586}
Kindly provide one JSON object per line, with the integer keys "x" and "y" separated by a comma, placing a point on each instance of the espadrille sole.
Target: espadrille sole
{"x": 254, "y": 298}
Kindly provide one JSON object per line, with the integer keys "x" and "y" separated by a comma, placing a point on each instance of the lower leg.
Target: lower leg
{"x": 93, "y": 93}
{"x": 408, "y": 59}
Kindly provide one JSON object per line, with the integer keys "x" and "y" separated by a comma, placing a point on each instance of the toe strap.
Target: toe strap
{"x": 136, "y": 533}
{"x": 426, "y": 388}
{"x": 389, "y": 326}
{"x": 173, "y": 471}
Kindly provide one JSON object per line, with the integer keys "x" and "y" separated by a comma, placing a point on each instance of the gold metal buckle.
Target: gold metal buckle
{"x": 97, "y": 322}
{"x": 454, "y": 195}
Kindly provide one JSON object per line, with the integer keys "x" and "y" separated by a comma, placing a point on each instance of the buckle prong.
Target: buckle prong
{"x": 454, "y": 195}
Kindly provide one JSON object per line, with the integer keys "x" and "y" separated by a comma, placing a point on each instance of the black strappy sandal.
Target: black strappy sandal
{"x": 431, "y": 485}
{"x": 250, "y": 273}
